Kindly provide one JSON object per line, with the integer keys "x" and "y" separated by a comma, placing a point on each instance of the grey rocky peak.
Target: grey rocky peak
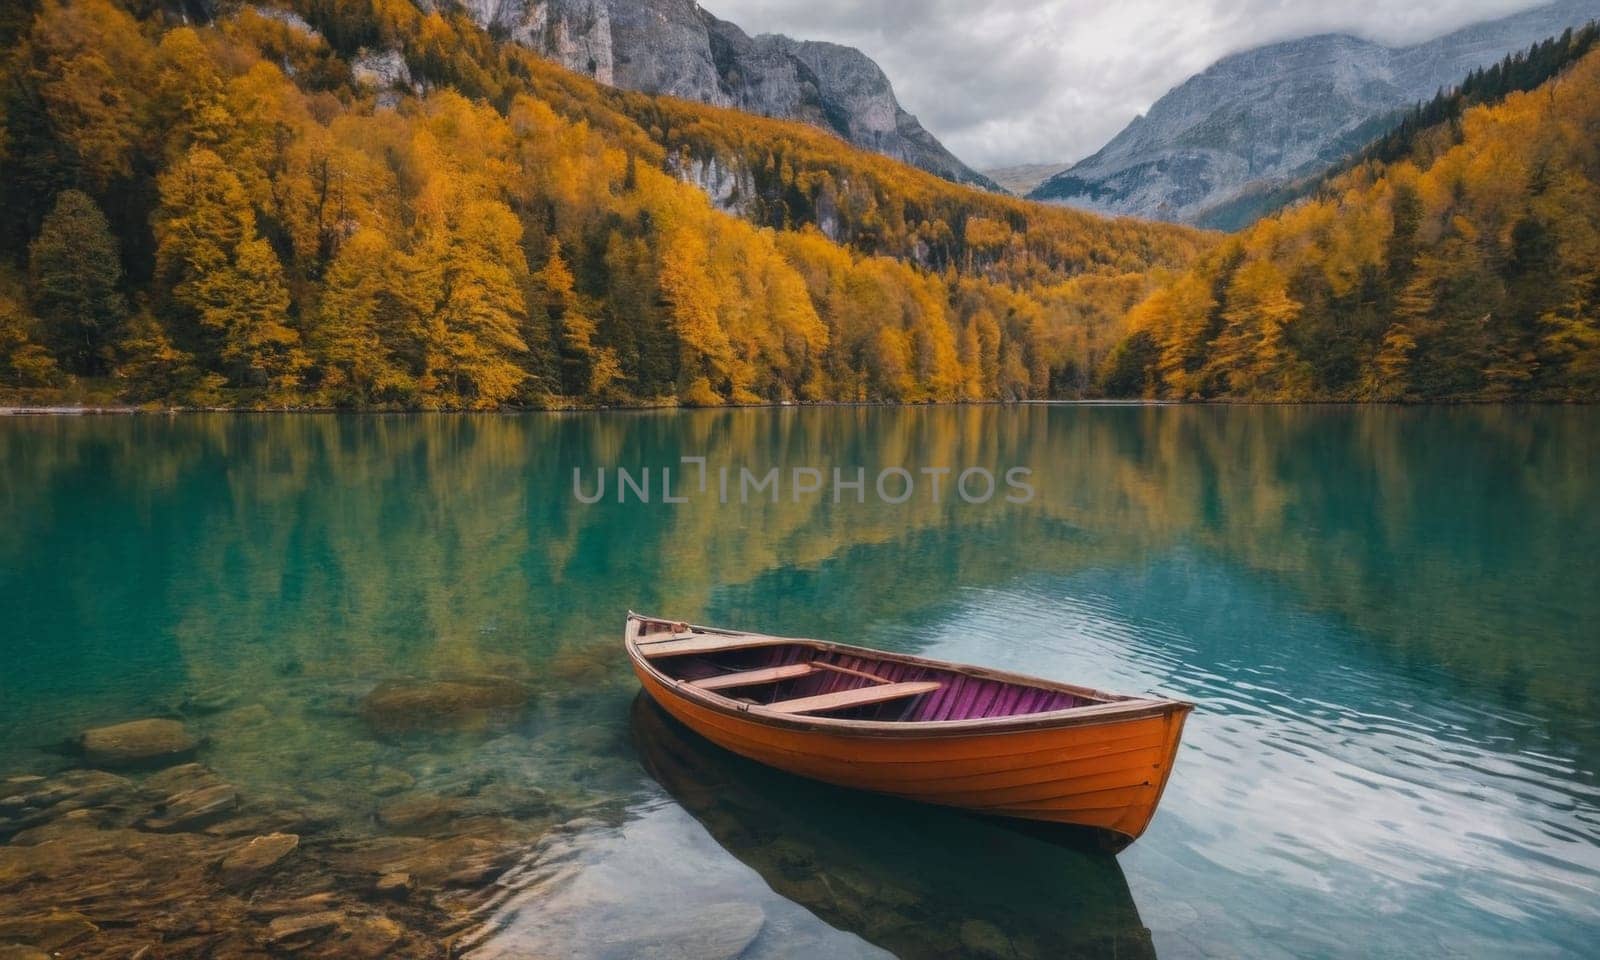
{"x": 858, "y": 101}
{"x": 1270, "y": 115}
{"x": 676, "y": 48}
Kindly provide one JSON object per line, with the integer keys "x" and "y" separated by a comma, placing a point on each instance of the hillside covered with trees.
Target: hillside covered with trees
{"x": 354, "y": 203}
{"x": 1460, "y": 262}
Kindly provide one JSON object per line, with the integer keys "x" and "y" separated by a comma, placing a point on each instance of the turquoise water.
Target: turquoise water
{"x": 1388, "y": 618}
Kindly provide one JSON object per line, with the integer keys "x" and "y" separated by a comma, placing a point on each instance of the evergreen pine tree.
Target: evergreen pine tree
{"x": 75, "y": 276}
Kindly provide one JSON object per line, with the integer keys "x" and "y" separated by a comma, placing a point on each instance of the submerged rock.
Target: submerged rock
{"x": 180, "y": 893}
{"x": 462, "y": 861}
{"x": 302, "y": 926}
{"x": 335, "y": 933}
{"x": 368, "y": 936}
{"x": 314, "y": 903}
{"x": 248, "y": 862}
{"x": 395, "y": 885}
{"x": 193, "y": 809}
{"x": 387, "y": 781}
{"x": 252, "y": 820}
{"x": 454, "y": 861}
{"x": 47, "y": 931}
{"x": 459, "y": 804}
{"x": 151, "y": 742}
{"x": 186, "y": 776}
{"x": 399, "y": 706}
{"x": 29, "y": 801}
{"x": 418, "y": 811}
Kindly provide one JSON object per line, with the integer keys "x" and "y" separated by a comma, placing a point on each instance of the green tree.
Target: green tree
{"x": 587, "y": 367}
{"x": 156, "y": 370}
{"x": 1130, "y": 369}
{"x": 75, "y": 278}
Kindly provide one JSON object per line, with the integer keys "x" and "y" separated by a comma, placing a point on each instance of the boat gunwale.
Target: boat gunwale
{"x": 1116, "y": 708}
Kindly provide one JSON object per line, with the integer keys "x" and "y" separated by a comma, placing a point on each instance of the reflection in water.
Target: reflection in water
{"x": 1387, "y": 616}
{"x": 918, "y": 881}
{"x": 656, "y": 886}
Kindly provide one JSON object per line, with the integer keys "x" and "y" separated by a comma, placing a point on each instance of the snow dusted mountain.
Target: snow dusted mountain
{"x": 1269, "y": 115}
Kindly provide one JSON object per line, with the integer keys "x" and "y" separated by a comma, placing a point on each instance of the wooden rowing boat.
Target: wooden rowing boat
{"x": 995, "y": 743}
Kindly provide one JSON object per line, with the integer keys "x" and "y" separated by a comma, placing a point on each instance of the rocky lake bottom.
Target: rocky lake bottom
{"x": 149, "y": 850}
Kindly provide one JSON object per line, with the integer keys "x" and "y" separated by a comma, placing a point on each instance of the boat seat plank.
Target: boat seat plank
{"x": 751, "y": 678}
{"x": 853, "y": 698}
{"x": 707, "y": 643}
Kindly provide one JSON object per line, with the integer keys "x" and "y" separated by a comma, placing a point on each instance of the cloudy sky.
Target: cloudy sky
{"x": 1020, "y": 81}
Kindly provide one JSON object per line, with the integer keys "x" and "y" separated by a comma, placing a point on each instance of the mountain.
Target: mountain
{"x": 675, "y": 48}
{"x": 1269, "y": 115}
{"x": 1023, "y": 177}
{"x": 1458, "y": 263}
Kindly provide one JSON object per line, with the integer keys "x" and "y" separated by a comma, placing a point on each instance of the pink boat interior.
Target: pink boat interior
{"x": 801, "y": 679}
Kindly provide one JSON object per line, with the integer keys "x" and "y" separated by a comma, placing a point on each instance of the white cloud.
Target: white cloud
{"x": 1015, "y": 81}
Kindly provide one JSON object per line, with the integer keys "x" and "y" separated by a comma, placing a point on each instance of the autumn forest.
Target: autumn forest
{"x": 356, "y": 204}
{"x": 1465, "y": 268}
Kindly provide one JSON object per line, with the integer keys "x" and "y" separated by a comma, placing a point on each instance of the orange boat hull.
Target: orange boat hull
{"x": 1107, "y": 776}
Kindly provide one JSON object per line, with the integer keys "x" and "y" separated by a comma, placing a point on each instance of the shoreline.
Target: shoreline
{"x": 113, "y": 410}
{"x": 65, "y": 410}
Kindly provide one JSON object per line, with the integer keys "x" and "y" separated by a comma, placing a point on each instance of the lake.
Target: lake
{"x": 1389, "y": 619}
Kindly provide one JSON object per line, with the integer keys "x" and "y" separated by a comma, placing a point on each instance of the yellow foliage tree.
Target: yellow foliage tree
{"x": 475, "y": 288}
{"x": 90, "y": 66}
{"x": 369, "y": 307}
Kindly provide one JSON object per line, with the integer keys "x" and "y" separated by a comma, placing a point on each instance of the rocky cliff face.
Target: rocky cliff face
{"x": 1275, "y": 113}
{"x": 858, "y": 101}
{"x": 674, "y": 47}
